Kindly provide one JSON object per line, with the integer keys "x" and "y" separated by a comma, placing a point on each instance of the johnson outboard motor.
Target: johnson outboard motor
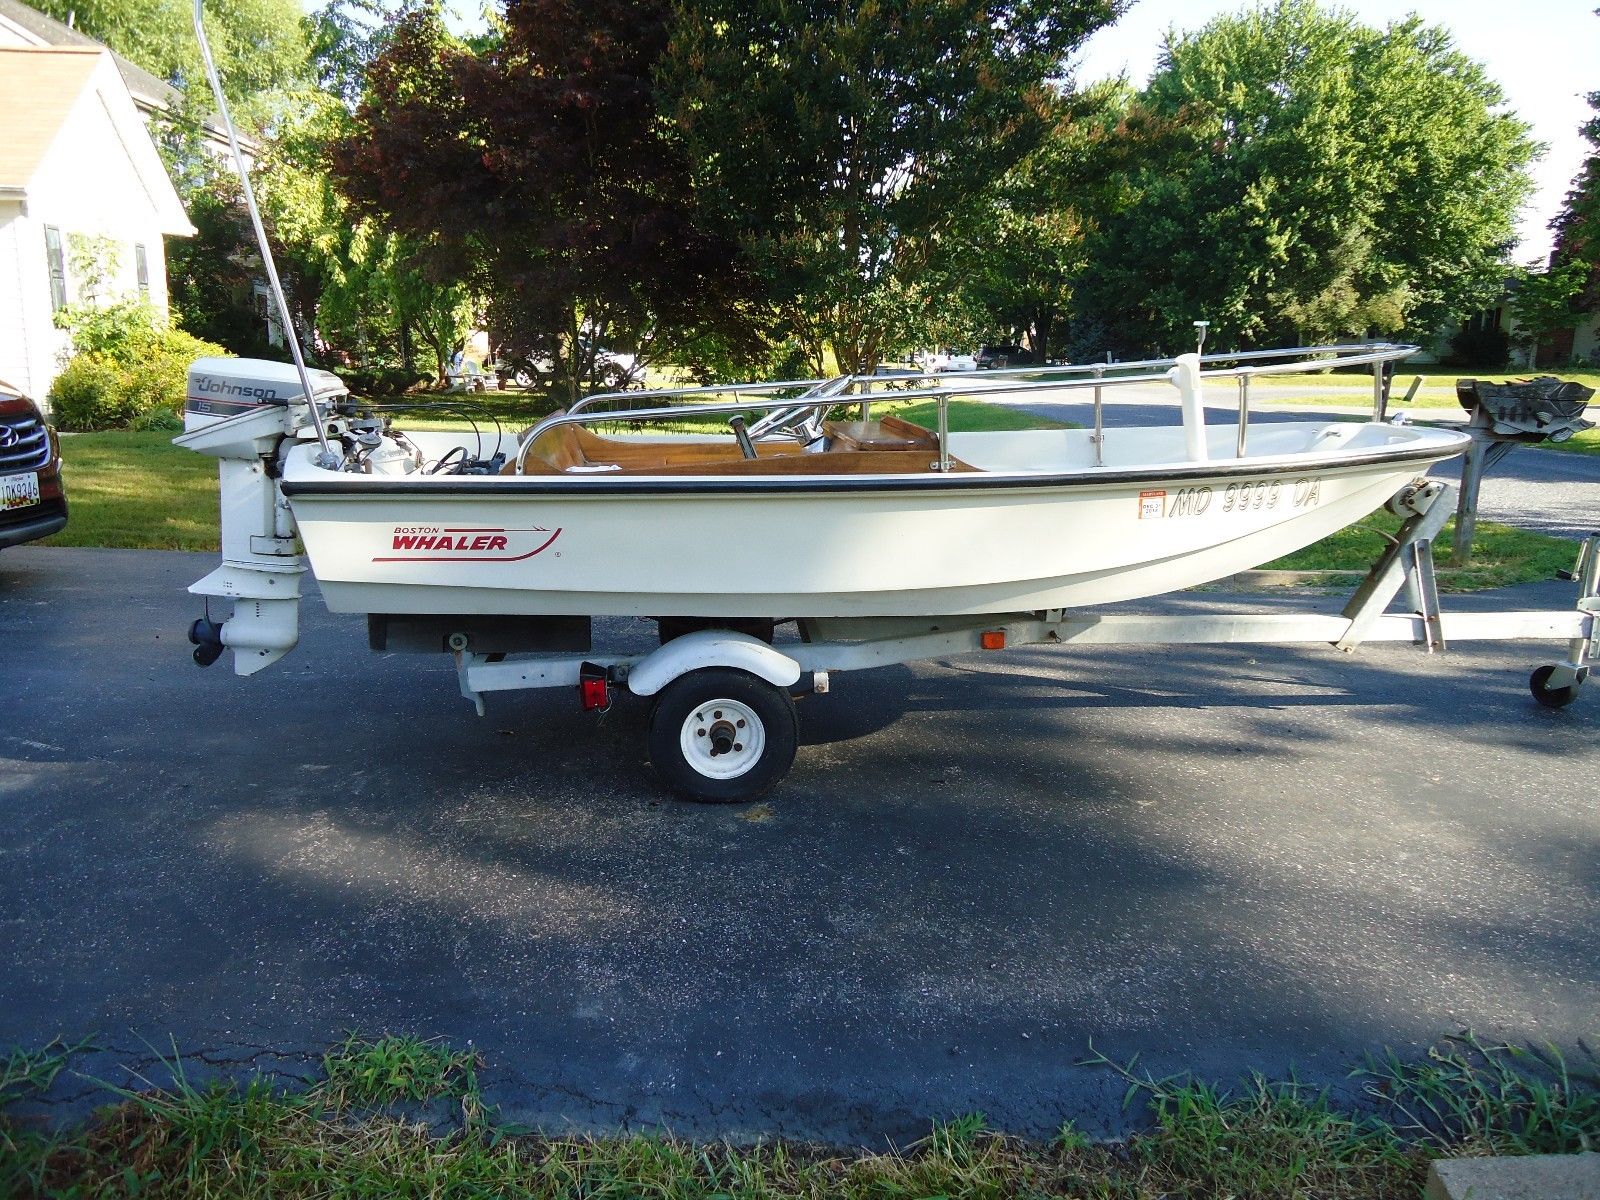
{"x": 220, "y": 388}
{"x": 240, "y": 411}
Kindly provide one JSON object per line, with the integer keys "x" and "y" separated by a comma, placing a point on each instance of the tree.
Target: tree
{"x": 535, "y": 166}
{"x": 211, "y": 276}
{"x": 1546, "y": 304}
{"x": 842, "y": 146}
{"x": 1329, "y": 179}
{"x": 379, "y": 302}
{"x": 259, "y": 45}
{"x": 1020, "y": 264}
{"x": 1577, "y": 225}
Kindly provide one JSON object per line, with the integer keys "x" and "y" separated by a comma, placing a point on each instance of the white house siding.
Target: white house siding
{"x": 1586, "y": 343}
{"x": 13, "y": 330}
{"x": 86, "y": 186}
{"x": 30, "y": 351}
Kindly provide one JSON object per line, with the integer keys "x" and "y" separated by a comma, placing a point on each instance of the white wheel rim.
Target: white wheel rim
{"x": 722, "y": 739}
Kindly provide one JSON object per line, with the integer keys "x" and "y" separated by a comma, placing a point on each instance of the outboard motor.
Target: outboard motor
{"x": 220, "y": 388}
{"x": 240, "y": 410}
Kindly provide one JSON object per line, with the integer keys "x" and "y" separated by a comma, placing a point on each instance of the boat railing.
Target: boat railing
{"x": 786, "y": 400}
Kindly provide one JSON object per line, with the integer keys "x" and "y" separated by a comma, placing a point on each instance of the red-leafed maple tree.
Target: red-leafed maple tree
{"x": 537, "y": 167}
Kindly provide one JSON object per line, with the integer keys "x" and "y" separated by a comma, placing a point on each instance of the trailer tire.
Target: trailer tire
{"x": 1554, "y": 697}
{"x": 721, "y": 736}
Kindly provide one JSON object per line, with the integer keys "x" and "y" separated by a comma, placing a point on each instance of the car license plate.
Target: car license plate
{"x": 18, "y": 491}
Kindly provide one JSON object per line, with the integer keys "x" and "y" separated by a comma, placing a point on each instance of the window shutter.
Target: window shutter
{"x": 58, "y": 268}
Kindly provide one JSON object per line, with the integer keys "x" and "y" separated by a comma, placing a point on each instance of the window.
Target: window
{"x": 141, "y": 265}
{"x": 267, "y": 311}
{"x": 56, "y": 261}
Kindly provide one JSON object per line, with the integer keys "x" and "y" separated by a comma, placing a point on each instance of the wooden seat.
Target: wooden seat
{"x": 890, "y": 446}
{"x": 890, "y": 433}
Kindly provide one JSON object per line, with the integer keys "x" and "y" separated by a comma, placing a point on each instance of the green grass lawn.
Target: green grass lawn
{"x": 352, "y": 1130}
{"x": 967, "y": 416}
{"x": 513, "y": 409}
{"x": 1501, "y": 554}
{"x": 139, "y": 491}
{"x": 1587, "y": 442}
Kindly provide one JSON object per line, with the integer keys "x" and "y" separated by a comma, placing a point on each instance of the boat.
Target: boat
{"x": 817, "y": 501}
{"x": 827, "y": 517}
{"x": 725, "y": 512}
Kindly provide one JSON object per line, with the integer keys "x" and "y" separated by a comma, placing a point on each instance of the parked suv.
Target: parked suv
{"x": 32, "y": 502}
{"x": 998, "y": 358}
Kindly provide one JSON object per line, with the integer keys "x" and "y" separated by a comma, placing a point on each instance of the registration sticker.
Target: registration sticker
{"x": 19, "y": 491}
{"x": 1152, "y": 505}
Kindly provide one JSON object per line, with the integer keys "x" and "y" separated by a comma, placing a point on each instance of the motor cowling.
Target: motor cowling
{"x": 220, "y": 388}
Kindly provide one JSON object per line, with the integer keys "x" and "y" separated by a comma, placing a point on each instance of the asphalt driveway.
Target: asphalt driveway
{"x": 1223, "y": 859}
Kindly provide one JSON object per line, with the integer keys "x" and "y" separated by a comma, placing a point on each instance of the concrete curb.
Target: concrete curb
{"x": 1536, "y": 1177}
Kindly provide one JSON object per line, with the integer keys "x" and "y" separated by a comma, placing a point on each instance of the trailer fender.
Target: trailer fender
{"x": 711, "y": 648}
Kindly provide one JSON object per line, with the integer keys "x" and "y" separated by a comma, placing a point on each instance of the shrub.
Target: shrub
{"x": 129, "y": 369}
{"x": 1478, "y": 347}
{"x": 374, "y": 382}
{"x": 90, "y": 394}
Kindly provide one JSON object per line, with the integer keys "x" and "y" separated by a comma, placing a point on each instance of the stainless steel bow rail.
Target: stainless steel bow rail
{"x": 850, "y": 644}
{"x": 793, "y": 407}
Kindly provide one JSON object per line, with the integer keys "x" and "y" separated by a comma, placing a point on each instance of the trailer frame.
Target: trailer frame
{"x": 830, "y": 645}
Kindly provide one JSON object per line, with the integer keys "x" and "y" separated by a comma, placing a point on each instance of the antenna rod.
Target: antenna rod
{"x": 327, "y": 459}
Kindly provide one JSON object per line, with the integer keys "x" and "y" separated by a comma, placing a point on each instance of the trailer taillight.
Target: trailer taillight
{"x": 594, "y": 691}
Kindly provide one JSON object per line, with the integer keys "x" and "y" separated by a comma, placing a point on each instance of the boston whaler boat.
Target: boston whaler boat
{"x": 883, "y": 541}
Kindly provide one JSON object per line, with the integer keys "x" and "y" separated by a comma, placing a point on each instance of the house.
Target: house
{"x": 154, "y": 97}
{"x": 1576, "y": 346}
{"x": 1580, "y": 344}
{"x": 24, "y": 26}
{"x": 85, "y": 201}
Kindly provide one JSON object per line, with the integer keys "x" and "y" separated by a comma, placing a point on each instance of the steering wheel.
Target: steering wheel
{"x": 799, "y": 419}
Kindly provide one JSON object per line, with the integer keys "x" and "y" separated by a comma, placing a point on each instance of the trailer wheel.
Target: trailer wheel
{"x": 722, "y": 736}
{"x": 1554, "y": 697}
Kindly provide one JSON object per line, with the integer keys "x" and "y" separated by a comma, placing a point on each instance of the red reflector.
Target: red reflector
{"x": 592, "y": 691}
{"x": 993, "y": 639}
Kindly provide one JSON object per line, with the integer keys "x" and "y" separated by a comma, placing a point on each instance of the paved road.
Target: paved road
{"x": 1220, "y": 859}
{"x": 1552, "y": 491}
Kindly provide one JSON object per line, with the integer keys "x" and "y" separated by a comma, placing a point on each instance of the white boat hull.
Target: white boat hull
{"x": 935, "y": 545}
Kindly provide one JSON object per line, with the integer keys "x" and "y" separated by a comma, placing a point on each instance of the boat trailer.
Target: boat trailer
{"x": 723, "y": 726}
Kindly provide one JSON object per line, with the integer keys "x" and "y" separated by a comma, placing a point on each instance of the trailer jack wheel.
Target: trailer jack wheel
{"x": 722, "y": 736}
{"x": 1555, "y": 697}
